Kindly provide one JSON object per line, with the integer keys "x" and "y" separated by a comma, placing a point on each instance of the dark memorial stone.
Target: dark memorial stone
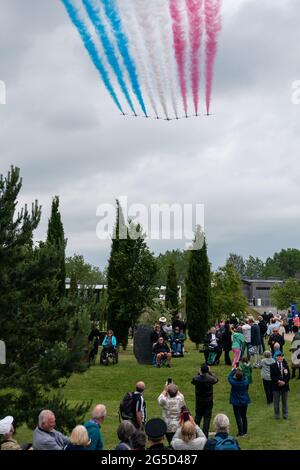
{"x": 142, "y": 345}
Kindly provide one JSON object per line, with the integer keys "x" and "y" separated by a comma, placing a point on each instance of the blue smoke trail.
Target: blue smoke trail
{"x": 108, "y": 48}
{"x": 111, "y": 12}
{"x": 91, "y": 48}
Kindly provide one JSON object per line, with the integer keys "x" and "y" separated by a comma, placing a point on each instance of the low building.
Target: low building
{"x": 162, "y": 293}
{"x": 258, "y": 291}
{"x": 98, "y": 290}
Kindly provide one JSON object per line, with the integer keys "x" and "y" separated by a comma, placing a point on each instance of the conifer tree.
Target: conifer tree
{"x": 56, "y": 238}
{"x": 73, "y": 291}
{"x": 198, "y": 290}
{"x": 172, "y": 289}
{"x": 130, "y": 277}
{"x": 45, "y": 338}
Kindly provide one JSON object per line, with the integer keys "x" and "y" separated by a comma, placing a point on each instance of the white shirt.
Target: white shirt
{"x": 171, "y": 410}
{"x": 247, "y": 332}
{"x": 213, "y": 340}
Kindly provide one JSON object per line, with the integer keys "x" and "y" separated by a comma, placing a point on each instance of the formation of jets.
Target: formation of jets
{"x": 161, "y": 118}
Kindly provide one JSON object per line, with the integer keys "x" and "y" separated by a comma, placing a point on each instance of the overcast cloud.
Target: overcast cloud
{"x": 61, "y": 128}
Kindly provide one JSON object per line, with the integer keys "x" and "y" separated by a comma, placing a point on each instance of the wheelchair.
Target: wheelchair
{"x": 162, "y": 362}
{"x": 212, "y": 355}
{"x": 109, "y": 356}
{"x": 177, "y": 354}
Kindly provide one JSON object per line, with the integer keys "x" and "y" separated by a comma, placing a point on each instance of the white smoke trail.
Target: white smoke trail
{"x": 166, "y": 38}
{"x": 148, "y": 26}
{"x": 136, "y": 44}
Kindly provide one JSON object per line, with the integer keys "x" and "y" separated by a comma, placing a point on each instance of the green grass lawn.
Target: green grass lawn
{"x": 108, "y": 385}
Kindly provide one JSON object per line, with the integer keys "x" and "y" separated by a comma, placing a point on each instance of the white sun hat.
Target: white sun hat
{"x": 5, "y": 424}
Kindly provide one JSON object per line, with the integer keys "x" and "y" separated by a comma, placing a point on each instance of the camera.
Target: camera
{"x": 170, "y": 380}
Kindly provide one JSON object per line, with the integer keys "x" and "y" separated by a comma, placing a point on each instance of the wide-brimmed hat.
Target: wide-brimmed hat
{"x": 162, "y": 320}
{"x": 5, "y": 424}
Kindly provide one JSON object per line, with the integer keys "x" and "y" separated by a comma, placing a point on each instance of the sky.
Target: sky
{"x": 61, "y": 128}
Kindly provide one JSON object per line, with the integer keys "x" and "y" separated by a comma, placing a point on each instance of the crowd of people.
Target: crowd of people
{"x": 247, "y": 340}
{"x": 177, "y": 429}
{"x": 167, "y": 340}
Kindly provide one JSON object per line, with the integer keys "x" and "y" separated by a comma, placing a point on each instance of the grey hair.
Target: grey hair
{"x": 267, "y": 354}
{"x": 125, "y": 430}
{"x": 44, "y": 416}
{"x": 172, "y": 390}
{"x": 99, "y": 412}
{"x": 221, "y": 423}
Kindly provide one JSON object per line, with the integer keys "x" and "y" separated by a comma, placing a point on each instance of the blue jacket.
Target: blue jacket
{"x": 94, "y": 433}
{"x": 239, "y": 393}
{"x": 113, "y": 341}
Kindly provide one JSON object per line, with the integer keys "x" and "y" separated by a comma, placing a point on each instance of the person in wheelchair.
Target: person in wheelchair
{"x": 177, "y": 342}
{"x": 212, "y": 347}
{"x": 162, "y": 352}
{"x": 109, "y": 345}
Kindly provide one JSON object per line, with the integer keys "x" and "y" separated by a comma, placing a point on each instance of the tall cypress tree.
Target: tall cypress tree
{"x": 45, "y": 339}
{"x": 171, "y": 289}
{"x": 56, "y": 238}
{"x": 73, "y": 291}
{"x": 130, "y": 278}
{"x": 198, "y": 291}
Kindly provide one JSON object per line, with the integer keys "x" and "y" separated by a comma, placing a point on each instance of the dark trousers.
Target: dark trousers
{"x": 227, "y": 357}
{"x": 204, "y": 410}
{"x": 246, "y": 348}
{"x": 294, "y": 373}
{"x": 169, "y": 436}
{"x": 276, "y": 400}
{"x": 240, "y": 413}
{"x": 262, "y": 347}
{"x": 268, "y": 390}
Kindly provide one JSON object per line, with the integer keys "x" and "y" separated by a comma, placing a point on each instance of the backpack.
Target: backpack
{"x": 229, "y": 443}
{"x": 126, "y": 406}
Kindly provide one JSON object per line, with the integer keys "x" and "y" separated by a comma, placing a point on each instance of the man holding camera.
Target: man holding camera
{"x": 171, "y": 400}
{"x": 204, "y": 383}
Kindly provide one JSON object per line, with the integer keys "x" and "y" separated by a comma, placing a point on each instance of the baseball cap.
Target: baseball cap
{"x": 155, "y": 428}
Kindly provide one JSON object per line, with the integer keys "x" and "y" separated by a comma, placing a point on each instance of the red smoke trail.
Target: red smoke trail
{"x": 179, "y": 46}
{"x": 213, "y": 27}
{"x": 194, "y": 8}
